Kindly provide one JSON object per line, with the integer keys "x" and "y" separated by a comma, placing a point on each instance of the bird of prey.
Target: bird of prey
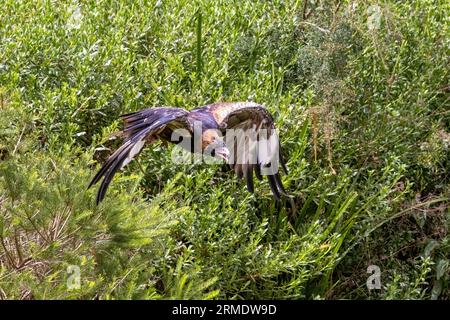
{"x": 216, "y": 129}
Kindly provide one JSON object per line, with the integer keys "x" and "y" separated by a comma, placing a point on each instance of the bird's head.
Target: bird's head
{"x": 214, "y": 145}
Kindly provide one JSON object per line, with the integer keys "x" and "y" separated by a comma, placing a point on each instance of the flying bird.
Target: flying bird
{"x": 215, "y": 129}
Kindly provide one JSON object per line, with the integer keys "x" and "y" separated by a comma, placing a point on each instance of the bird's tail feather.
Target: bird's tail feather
{"x": 119, "y": 159}
{"x": 137, "y": 126}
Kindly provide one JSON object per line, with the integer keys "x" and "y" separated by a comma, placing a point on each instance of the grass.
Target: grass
{"x": 362, "y": 111}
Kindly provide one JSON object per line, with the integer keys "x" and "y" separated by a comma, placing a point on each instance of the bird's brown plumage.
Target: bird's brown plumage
{"x": 145, "y": 126}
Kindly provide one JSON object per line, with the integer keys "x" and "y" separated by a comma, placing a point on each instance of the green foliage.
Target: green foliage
{"x": 362, "y": 112}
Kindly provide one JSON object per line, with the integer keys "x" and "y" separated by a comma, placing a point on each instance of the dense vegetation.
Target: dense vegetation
{"x": 360, "y": 94}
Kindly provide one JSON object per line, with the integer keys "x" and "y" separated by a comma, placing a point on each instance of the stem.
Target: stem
{"x": 199, "y": 42}
{"x": 2, "y": 242}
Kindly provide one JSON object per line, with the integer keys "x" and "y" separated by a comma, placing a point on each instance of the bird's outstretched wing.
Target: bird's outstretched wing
{"x": 140, "y": 128}
{"x": 247, "y": 121}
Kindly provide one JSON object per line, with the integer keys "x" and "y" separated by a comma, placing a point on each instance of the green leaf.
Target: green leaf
{"x": 432, "y": 244}
{"x": 437, "y": 290}
{"x": 441, "y": 268}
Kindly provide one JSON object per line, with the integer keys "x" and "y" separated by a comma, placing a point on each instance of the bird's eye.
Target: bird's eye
{"x": 213, "y": 153}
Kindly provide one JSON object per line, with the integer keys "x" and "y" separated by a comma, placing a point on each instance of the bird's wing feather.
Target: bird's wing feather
{"x": 140, "y": 128}
{"x": 249, "y": 116}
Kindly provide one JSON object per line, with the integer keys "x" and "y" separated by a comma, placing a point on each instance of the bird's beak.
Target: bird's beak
{"x": 222, "y": 153}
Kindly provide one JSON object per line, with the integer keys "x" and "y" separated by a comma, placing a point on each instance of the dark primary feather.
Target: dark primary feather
{"x": 283, "y": 163}
{"x": 279, "y": 183}
{"x": 138, "y": 126}
{"x": 248, "y": 174}
{"x": 273, "y": 186}
{"x": 134, "y": 122}
{"x": 108, "y": 164}
{"x": 109, "y": 174}
{"x": 258, "y": 172}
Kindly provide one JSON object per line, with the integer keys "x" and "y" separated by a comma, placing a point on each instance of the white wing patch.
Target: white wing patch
{"x": 134, "y": 151}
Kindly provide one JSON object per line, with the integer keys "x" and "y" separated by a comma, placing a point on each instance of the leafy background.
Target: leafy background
{"x": 360, "y": 94}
